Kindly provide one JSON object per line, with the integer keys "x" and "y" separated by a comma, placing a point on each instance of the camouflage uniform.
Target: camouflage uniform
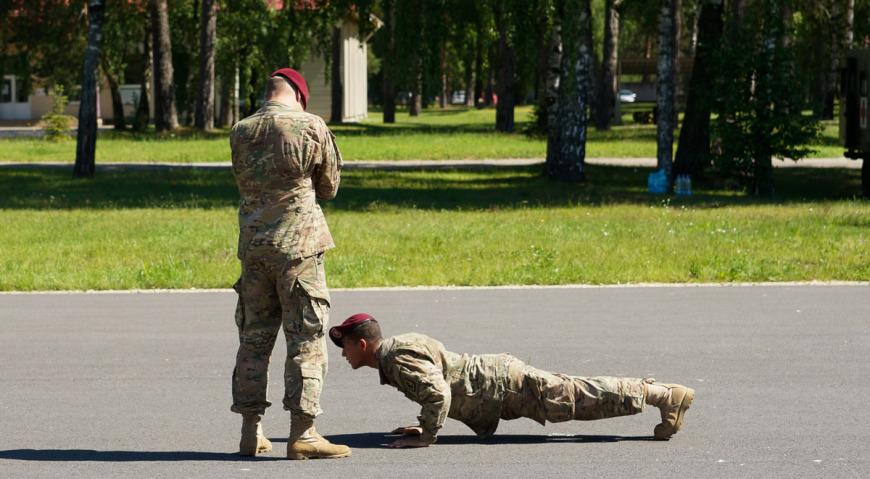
{"x": 284, "y": 161}
{"x": 481, "y": 390}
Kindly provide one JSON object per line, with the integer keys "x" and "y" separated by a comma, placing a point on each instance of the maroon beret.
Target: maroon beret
{"x": 296, "y": 79}
{"x": 336, "y": 333}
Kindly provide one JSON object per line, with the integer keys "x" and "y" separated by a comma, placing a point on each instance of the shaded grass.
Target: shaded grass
{"x": 176, "y": 228}
{"x": 436, "y": 134}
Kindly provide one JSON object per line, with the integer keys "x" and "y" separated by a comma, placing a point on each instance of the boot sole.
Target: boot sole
{"x": 300, "y": 456}
{"x": 684, "y": 405}
{"x": 252, "y": 448}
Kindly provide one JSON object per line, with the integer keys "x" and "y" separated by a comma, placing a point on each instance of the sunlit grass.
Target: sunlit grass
{"x": 456, "y": 133}
{"x": 177, "y": 229}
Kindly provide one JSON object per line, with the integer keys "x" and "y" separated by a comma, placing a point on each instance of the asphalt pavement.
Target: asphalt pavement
{"x": 137, "y": 384}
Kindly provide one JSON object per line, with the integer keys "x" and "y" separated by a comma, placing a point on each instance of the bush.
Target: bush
{"x": 760, "y": 104}
{"x": 57, "y": 123}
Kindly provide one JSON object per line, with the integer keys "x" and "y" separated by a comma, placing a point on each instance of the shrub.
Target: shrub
{"x": 57, "y": 123}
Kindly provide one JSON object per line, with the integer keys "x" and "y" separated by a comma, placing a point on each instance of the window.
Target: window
{"x": 6, "y": 91}
{"x": 20, "y": 97}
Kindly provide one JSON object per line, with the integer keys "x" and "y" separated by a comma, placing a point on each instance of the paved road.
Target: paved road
{"x": 137, "y": 384}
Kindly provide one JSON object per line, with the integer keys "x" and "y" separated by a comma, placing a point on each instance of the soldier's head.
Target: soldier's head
{"x": 358, "y": 337}
{"x": 285, "y": 85}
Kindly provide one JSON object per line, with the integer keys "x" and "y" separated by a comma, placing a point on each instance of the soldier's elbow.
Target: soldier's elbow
{"x": 326, "y": 195}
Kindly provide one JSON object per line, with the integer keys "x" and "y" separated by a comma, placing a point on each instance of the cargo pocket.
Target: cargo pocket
{"x": 314, "y": 315}
{"x": 312, "y": 278}
{"x": 312, "y": 382}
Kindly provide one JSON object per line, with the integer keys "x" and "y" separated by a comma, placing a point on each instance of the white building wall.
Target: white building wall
{"x": 354, "y": 74}
{"x": 354, "y": 78}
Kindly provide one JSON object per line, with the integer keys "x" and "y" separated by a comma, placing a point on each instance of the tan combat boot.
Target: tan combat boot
{"x": 309, "y": 444}
{"x": 673, "y": 400}
{"x": 253, "y": 441}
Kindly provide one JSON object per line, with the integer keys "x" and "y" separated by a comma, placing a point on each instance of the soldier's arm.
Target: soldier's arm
{"x": 327, "y": 175}
{"x": 423, "y": 382}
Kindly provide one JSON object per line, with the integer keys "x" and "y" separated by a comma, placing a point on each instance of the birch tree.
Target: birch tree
{"x": 389, "y": 61}
{"x": 665, "y": 89}
{"x": 86, "y": 141}
{"x": 165, "y": 117}
{"x": 204, "y": 116}
{"x": 566, "y": 141}
{"x": 610, "y": 55}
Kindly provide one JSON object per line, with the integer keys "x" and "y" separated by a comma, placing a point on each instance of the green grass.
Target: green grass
{"x": 176, "y": 228}
{"x": 436, "y": 134}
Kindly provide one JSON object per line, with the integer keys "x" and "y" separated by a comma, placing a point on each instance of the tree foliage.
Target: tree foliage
{"x": 760, "y": 101}
{"x": 43, "y": 40}
{"x": 57, "y": 123}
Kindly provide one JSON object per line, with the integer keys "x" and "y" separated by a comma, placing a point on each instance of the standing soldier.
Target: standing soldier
{"x": 481, "y": 390}
{"x": 284, "y": 160}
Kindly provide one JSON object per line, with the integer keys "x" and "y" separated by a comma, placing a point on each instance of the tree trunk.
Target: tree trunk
{"x": 207, "y": 42}
{"x": 821, "y": 87}
{"x": 389, "y": 61}
{"x": 554, "y": 73}
{"x": 251, "y": 105}
{"x": 849, "y": 20}
{"x": 479, "y": 88}
{"x": 694, "y": 142}
{"x": 165, "y": 117}
{"x": 665, "y": 91}
{"x": 225, "y": 117}
{"x": 335, "y": 115}
{"x": 86, "y": 141}
{"x": 143, "y": 110}
{"x": 237, "y": 85}
{"x": 607, "y": 82}
{"x": 647, "y": 53}
{"x": 507, "y": 67}
{"x": 836, "y": 39}
{"x": 118, "y": 121}
{"x": 470, "y": 78}
{"x": 762, "y": 174}
{"x": 443, "y": 99}
{"x": 416, "y": 103}
{"x": 738, "y": 13}
{"x": 566, "y": 142}
{"x": 677, "y": 6}
{"x": 693, "y": 35}
{"x": 542, "y": 31}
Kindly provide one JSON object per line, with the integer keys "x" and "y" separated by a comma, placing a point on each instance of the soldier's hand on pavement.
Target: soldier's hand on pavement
{"x": 408, "y": 431}
{"x": 408, "y": 442}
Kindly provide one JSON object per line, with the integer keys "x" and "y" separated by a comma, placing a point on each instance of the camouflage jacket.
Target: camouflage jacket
{"x": 466, "y": 388}
{"x": 284, "y": 161}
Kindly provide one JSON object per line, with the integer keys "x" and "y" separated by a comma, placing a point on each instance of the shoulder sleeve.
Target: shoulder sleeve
{"x": 423, "y": 382}
{"x": 327, "y": 174}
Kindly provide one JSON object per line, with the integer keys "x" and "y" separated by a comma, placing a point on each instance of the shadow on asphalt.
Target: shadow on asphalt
{"x": 380, "y": 440}
{"x": 354, "y": 441}
{"x": 90, "y": 455}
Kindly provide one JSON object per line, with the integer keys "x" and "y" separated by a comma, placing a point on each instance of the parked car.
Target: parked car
{"x": 627, "y": 96}
{"x": 458, "y": 97}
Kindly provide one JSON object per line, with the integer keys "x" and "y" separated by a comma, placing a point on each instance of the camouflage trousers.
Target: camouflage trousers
{"x": 275, "y": 292}
{"x": 545, "y": 396}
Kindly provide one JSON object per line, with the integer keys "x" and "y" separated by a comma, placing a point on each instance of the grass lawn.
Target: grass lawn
{"x": 436, "y": 134}
{"x": 177, "y": 228}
